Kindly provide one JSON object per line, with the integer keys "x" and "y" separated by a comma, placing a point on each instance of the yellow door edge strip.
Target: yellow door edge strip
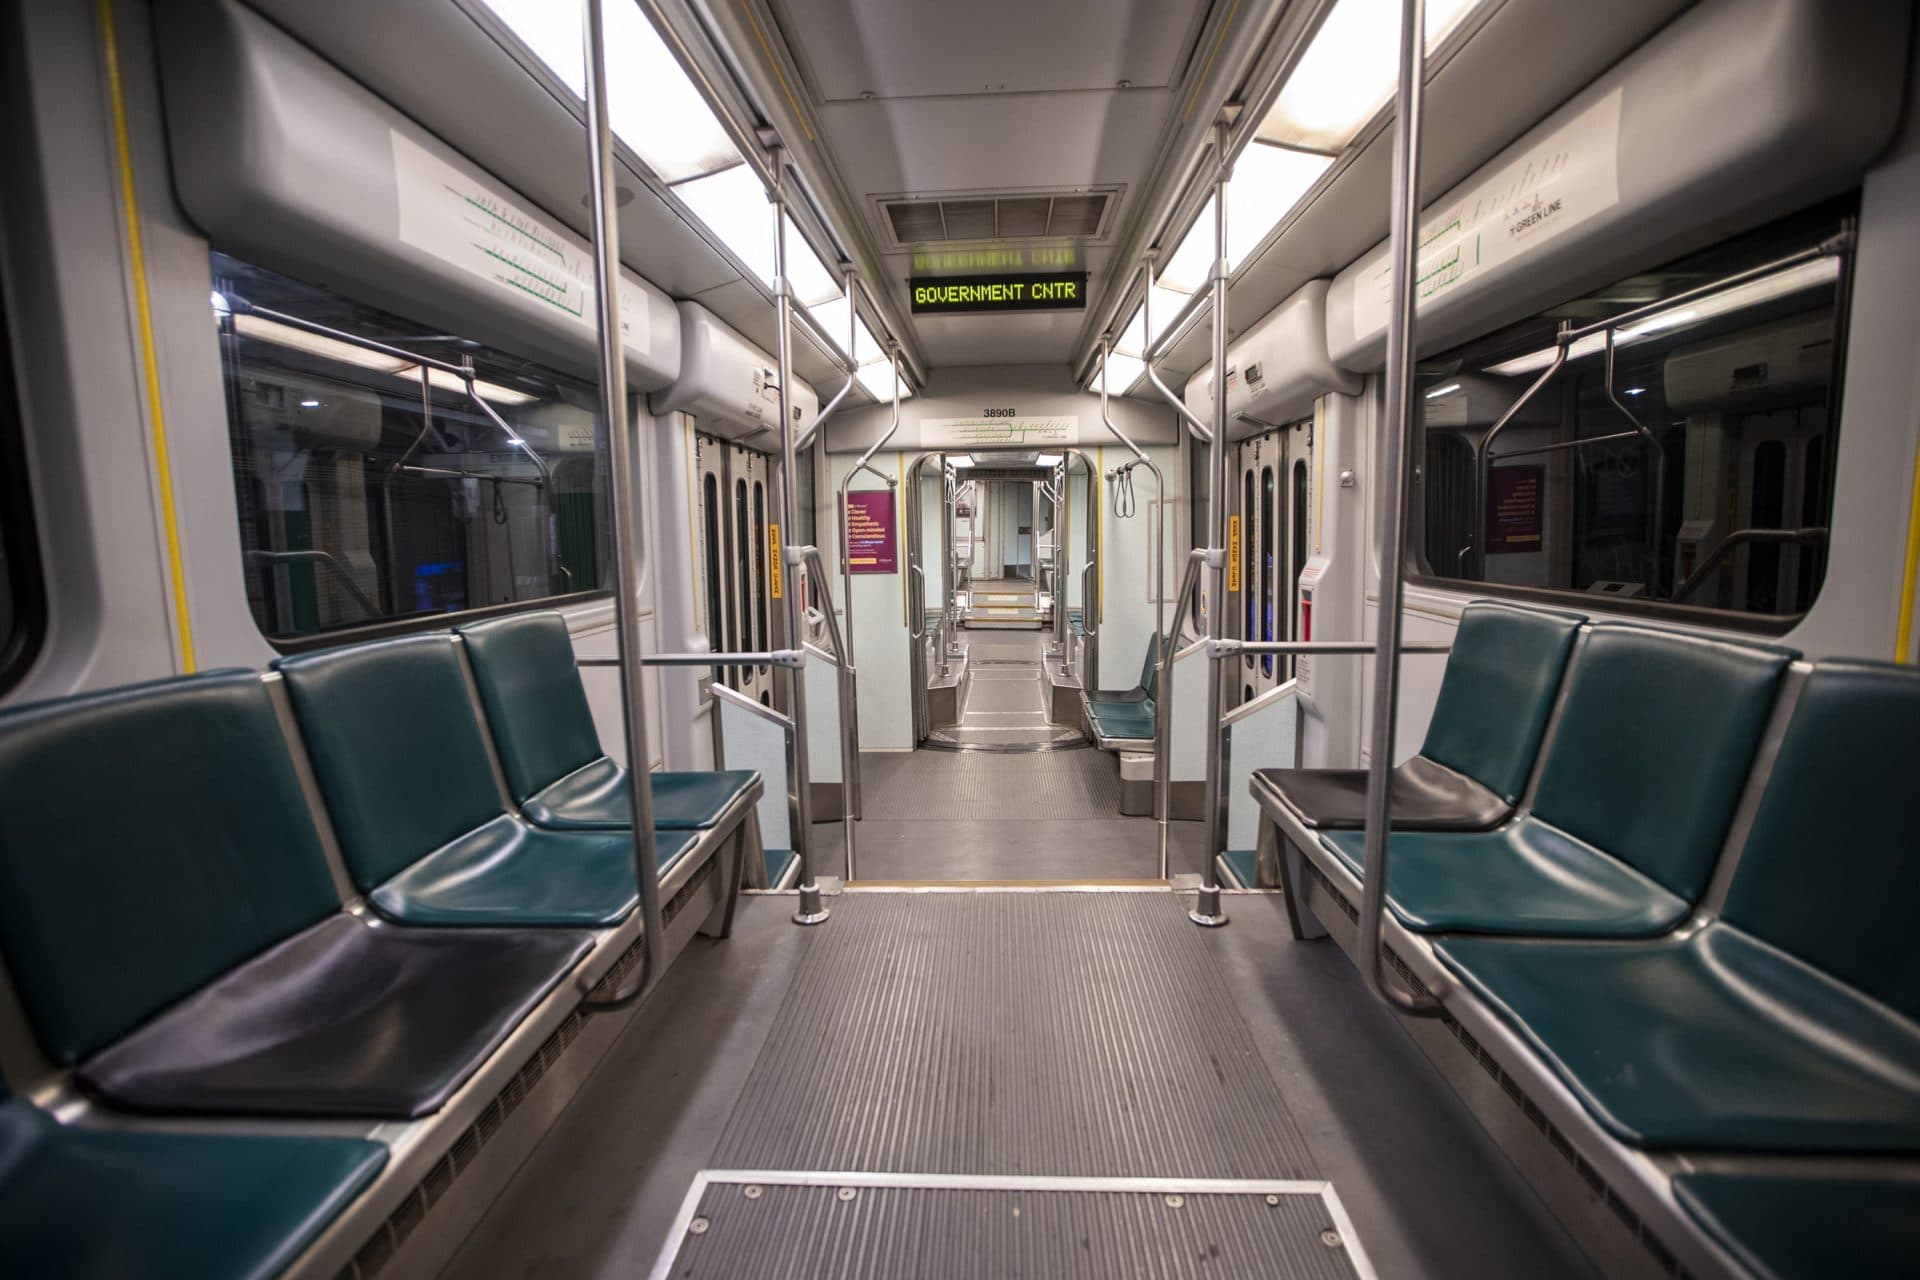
{"x": 150, "y": 362}
{"x": 1903, "y": 633}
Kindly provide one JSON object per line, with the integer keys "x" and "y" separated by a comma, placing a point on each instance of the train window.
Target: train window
{"x": 1696, "y": 479}
{"x": 368, "y": 494}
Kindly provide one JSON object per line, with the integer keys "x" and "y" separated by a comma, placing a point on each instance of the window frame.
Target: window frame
{"x": 1843, "y": 210}
{"x": 411, "y": 623}
{"x": 19, "y": 528}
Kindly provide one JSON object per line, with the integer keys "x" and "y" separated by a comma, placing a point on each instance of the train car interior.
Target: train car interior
{"x": 802, "y": 638}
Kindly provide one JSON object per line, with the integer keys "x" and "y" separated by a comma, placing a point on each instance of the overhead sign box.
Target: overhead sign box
{"x": 1029, "y": 291}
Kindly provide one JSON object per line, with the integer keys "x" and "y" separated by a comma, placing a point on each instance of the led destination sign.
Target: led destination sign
{"x": 1033, "y": 291}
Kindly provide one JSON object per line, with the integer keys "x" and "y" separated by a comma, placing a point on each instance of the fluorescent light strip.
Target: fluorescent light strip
{"x": 1447, "y": 390}
{"x": 452, "y": 382}
{"x": 313, "y": 344}
{"x": 1808, "y": 275}
{"x": 652, "y": 105}
{"x": 1120, "y": 373}
{"x": 1347, "y": 73}
{"x": 1268, "y": 181}
{"x": 877, "y": 378}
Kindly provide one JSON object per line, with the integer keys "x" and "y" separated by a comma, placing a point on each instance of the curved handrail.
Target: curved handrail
{"x": 1163, "y": 707}
{"x": 327, "y": 560}
{"x": 853, "y": 364}
{"x": 1811, "y": 536}
{"x": 917, "y": 606}
{"x": 1201, "y": 431}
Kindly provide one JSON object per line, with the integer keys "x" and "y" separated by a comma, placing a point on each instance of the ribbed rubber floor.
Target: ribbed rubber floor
{"x": 1070, "y": 1034}
{"x": 887, "y": 1232}
{"x": 972, "y": 786}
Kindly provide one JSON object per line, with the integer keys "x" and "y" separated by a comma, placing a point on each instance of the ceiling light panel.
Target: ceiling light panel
{"x": 1120, "y": 373}
{"x": 1347, "y": 73}
{"x": 652, "y": 105}
{"x": 733, "y": 205}
{"x": 878, "y": 380}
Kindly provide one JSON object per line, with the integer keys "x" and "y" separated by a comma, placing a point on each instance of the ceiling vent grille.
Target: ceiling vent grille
{"x": 1079, "y": 215}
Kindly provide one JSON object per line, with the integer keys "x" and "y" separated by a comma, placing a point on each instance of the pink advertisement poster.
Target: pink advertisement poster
{"x": 871, "y": 545}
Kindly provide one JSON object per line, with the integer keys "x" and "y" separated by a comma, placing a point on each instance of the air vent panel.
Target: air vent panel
{"x": 1077, "y": 215}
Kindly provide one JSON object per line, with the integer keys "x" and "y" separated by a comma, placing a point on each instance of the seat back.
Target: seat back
{"x": 1150, "y": 668}
{"x": 536, "y": 706}
{"x": 1654, "y": 745}
{"x": 400, "y": 756}
{"x": 1498, "y": 690}
{"x": 151, "y": 838}
{"x": 1828, "y": 870}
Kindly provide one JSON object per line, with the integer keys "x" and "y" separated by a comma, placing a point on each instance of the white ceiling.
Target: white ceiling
{"x": 990, "y": 96}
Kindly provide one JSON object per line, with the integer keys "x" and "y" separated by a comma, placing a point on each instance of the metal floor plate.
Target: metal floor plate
{"x": 1057, "y": 1034}
{"x": 745, "y": 1222}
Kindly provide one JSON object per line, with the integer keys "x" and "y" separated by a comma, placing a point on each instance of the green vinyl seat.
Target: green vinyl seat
{"x": 1146, "y": 691}
{"x": 402, "y": 763}
{"x": 1243, "y": 866}
{"x": 1791, "y": 1023}
{"x": 537, "y": 711}
{"x": 779, "y": 863}
{"x": 1655, "y": 739}
{"x": 1783, "y": 1227}
{"x": 1502, "y": 675}
{"x": 102, "y": 1204}
{"x": 1121, "y": 721}
{"x": 170, "y": 923}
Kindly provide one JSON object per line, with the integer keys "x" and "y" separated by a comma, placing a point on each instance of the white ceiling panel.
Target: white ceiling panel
{"x": 931, "y": 146}
{"x": 924, "y": 48}
{"x": 1034, "y": 337}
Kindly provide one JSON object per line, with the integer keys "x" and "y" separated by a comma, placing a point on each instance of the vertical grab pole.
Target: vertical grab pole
{"x": 1392, "y": 498}
{"x": 812, "y": 910}
{"x": 1206, "y": 904}
{"x": 626, "y": 503}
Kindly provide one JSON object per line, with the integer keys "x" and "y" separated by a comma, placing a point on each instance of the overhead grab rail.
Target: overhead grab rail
{"x": 1609, "y": 330}
{"x": 1403, "y": 247}
{"x": 1812, "y": 536}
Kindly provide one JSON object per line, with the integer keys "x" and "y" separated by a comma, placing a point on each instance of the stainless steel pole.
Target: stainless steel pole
{"x": 1392, "y": 497}
{"x": 621, "y": 430}
{"x": 812, "y": 909}
{"x": 1206, "y": 904}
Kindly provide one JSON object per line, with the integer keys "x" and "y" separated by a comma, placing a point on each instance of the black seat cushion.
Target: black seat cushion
{"x": 1427, "y": 796}
{"x": 342, "y": 1019}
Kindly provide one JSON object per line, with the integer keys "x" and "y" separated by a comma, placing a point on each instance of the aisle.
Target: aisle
{"x": 1003, "y": 704}
{"x": 976, "y": 815}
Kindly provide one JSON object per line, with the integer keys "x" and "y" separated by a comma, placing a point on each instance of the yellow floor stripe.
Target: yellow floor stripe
{"x": 143, "y": 306}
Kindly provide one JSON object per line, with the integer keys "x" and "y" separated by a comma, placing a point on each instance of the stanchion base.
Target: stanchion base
{"x": 1207, "y": 912}
{"x": 812, "y": 910}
